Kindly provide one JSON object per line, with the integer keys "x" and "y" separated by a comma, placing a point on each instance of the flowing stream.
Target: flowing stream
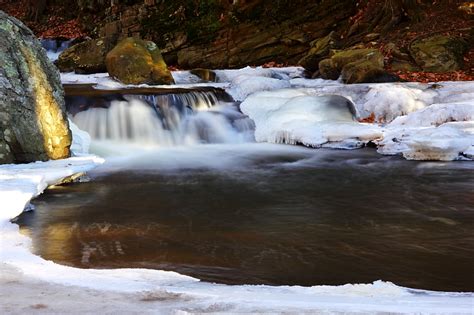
{"x": 192, "y": 193}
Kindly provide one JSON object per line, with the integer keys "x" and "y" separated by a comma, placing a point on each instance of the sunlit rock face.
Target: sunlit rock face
{"x": 33, "y": 121}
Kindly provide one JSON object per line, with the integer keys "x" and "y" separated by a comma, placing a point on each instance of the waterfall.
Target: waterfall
{"x": 170, "y": 119}
{"x": 54, "y": 47}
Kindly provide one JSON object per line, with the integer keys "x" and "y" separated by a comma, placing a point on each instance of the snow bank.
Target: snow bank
{"x": 293, "y": 116}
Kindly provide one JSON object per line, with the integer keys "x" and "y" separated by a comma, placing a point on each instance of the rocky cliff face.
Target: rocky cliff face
{"x": 229, "y": 35}
{"x": 33, "y": 122}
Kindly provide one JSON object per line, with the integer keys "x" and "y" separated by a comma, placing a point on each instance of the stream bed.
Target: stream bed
{"x": 266, "y": 214}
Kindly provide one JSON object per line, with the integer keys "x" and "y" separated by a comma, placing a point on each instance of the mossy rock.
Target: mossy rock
{"x": 342, "y": 58}
{"x": 320, "y": 49}
{"x": 439, "y": 53}
{"x": 86, "y": 57}
{"x": 327, "y": 70}
{"x": 355, "y": 66}
{"x": 135, "y": 61}
{"x": 365, "y": 71}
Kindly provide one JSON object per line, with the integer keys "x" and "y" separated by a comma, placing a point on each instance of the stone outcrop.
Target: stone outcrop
{"x": 85, "y": 57}
{"x": 135, "y": 61}
{"x": 320, "y": 49}
{"x": 33, "y": 121}
{"x": 439, "y": 53}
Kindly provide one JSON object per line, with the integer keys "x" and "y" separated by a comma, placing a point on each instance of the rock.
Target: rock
{"x": 356, "y": 66}
{"x": 371, "y": 37}
{"x": 319, "y": 50}
{"x": 364, "y": 71}
{"x": 401, "y": 61}
{"x": 327, "y": 70}
{"x": 85, "y": 57}
{"x": 342, "y": 58}
{"x": 204, "y": 74}
{"x": 439, "y": 53}
{"x": 135, "y": 61}
{"x": 33, "y": 121}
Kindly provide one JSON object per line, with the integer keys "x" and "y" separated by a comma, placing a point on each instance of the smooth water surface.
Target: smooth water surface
{"x": 263, "y": 214}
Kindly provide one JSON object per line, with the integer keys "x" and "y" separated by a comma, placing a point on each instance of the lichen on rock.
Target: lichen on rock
{"x": 33, "y": 121}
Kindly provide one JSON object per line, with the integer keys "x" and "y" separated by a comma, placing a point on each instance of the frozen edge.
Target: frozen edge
{"x": 20, "y": 183}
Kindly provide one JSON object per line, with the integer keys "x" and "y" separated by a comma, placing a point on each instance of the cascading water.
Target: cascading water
{"x": 157, "y": 120}
{"x": 54, "y": 47}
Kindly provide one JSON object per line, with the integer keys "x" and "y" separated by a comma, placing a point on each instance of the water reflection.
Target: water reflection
{"x": 268, "y": 215}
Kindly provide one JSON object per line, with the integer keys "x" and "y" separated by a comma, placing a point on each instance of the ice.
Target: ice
{"x": 437, "y": 132}
{"x": 437, "y": 114}
{"x": 103, "y": 81}
{"x": 244, "y": 85}
{"x": 81, "y": 140}
{"x": 387, "y": 101}
{"x": 293, "y": 116}
{"x": 246, "y": 81}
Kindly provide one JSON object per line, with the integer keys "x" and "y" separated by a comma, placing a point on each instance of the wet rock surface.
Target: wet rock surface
{"x": 33, "y": 122}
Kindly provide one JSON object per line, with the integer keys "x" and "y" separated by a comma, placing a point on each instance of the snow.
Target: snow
{"x": 293, "y": 116}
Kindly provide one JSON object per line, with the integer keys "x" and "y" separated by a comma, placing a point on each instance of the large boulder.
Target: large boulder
{"x": 439, "y": 53}
{"x": 135, "y": 61}
{"x": 86, "y": 57}
{"x": 356, "y": 66}
{"x": 33, "y": 121}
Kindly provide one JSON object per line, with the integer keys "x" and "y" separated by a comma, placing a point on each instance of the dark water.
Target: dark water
{"x": 305, "y": 217}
